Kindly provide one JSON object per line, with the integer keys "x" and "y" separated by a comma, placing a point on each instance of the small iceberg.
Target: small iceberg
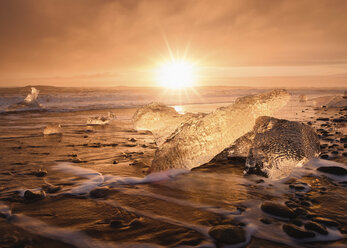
{"x": 30, "y": 102}
{"x": 101, "y": 120}
{"x": 52, "y": 129}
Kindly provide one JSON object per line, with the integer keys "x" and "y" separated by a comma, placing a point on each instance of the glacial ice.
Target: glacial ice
{"x": 197, "y": 140}
{"x": 101, "y": 120}
{"x": 302, "y": 98}
{"x": 30, "y": 101}
{"x": 278, "y": 146}
{"x": 52, "y": 129}
{"x": 160, "y": 119}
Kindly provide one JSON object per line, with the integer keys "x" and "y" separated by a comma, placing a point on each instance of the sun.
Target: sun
{"x": 176, "y": 74}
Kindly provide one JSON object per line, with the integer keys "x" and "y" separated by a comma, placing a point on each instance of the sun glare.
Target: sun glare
{"x": 176, "y": 74}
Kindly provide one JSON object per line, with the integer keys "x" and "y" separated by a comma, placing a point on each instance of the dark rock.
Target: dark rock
{"x": 323, "y": 146}
{"x": 266, "y": 221}
{"x": 259, "y": 181}
{"x": 324, "y": 156}
{"x": 34, "y": 195}
{"x": 300, "y": 211}
{"x": 138, "y": 222}
{"x": 130, "y": 145}
{"x": 40, "y": 173}
{"x": 115, "y": 162}
{"x": 291, "y": 204}
{"x": 132, "y": 140}
{"x": 314, "y": 226}
{"x": 344, "y": 154}
{"x": 326, "y": 221}
{"x": 297, "y": 222}
{"x": 96, "y": 145}
{"x": 339, "y": 120}
{"x": 51, "y": 189}
{"x": 77, "y": 160}
{"x": 99, "y": 192}
{"x": 116, "y": 223}
{"x": 335, "y": 152}
{"x": 144, "y": 146}
{"x": 277, "y": 210}
{"x": 336, "y": 170}
{"x": 228, "y": 234}
{"x": 305, "y": 203}
{"x": 296, "y": 232}
{"x": 322, "y": 119}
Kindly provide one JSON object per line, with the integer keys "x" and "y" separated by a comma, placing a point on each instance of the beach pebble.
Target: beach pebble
{"x": 138, "y": 222}
{"x": 99, "y": 192}
{"x": 51, "y": 189}
{"x": 277, "y": 210}
{"x": 266, "y": 221}
{"x": 323, "y": 146}
{"x": 116, "y": 223}
{"x": 336, "y": 170}
{"x": 296, "y": 232}
{"x": 130, "y": 145}
{"x": 228, "y": 234}
{"x": 34, "y": 195}
{"x": 326, "y": 221}
{"x": 77, "y": 160}
{"x": 296, "y": 222}
{"x": 40, "y": 173}
{"x": 314, "y": 226}
{"x": 339, "y": 120}
{"x": 291, "y": 204}
{"x": 324, "y": 156}
{"x": 305, "y": 203}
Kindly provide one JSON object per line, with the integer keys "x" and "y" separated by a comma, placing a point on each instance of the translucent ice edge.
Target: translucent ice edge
{"x": 66, "y": 235}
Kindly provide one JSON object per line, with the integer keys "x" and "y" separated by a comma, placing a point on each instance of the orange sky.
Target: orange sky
{"x": 120, "y": 42}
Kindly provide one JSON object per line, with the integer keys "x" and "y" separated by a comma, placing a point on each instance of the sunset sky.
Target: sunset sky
{"x": 121, "y": 42}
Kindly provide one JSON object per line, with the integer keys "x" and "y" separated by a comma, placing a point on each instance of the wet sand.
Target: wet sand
{"x": 168, "y": 211}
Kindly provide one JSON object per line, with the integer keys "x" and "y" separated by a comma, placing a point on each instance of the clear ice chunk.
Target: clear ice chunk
{"x": 279, "y": 146}
{"x": 30, "y": 101}
{"x": 101, "y": 120}
{"x": 52, "y": 129}
{"x": 160, "y": 119}
{"x": 199, "y": 139}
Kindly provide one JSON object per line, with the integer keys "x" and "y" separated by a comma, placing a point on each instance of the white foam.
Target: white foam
{"x": 96, "y": 179}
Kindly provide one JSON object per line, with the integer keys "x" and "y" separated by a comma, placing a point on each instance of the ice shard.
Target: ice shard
{"x": 52, "y": 129}
{"x": 101, "y": 120}
{"x": 160, "y": 119}
{"x": 30, "y": 101}
{"x": 279, "y": 146}
{"x": 199, "y": 139}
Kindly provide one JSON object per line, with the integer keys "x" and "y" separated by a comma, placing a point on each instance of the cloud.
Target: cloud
{"x": 64, "y": 37}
